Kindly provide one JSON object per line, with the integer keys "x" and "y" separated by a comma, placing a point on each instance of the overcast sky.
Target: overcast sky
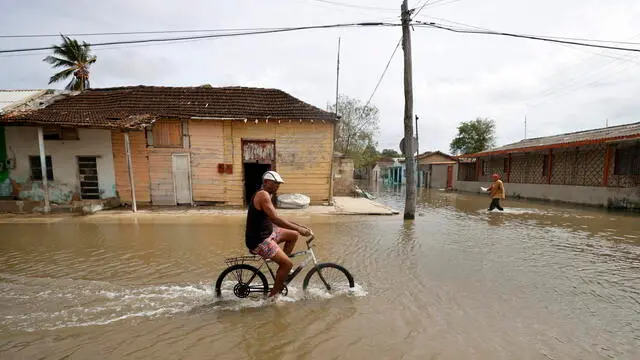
{"x": 456, "y": 77}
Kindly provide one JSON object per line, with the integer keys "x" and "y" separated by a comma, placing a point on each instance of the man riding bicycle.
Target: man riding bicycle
{"x": 265, "y": 230}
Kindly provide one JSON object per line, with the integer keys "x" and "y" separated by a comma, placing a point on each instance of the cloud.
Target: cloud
{"x": 456, "y": 77}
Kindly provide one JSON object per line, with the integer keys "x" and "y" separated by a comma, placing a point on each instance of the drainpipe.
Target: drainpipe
{"x": 127, "y": 147}
{"x": 43, "y": 168}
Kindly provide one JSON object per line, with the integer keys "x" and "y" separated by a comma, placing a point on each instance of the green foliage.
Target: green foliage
{"x": 391, "y": 153}
{"x": 474, "y": 136}
{"x": 75, "y": 58}
{"x": 356, "y": 131}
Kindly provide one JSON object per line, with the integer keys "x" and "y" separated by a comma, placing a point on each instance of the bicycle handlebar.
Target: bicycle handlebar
{"x": 310, "y": 239}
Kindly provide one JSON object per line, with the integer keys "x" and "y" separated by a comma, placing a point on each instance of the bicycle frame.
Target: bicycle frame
{"x": 311, "y": 256}
{"x": 246, "y": 287}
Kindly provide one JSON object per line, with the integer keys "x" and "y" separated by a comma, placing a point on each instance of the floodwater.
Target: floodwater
{"x": 538, "y": 281}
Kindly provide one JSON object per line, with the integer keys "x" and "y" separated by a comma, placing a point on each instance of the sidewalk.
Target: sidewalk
{"x": 343, "y": 206}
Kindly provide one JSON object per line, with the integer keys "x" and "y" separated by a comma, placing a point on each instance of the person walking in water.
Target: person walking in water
{"x": 496, "y": 191}
{"x": 265, "y": 230}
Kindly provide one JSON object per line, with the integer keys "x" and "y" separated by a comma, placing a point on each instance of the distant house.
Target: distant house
{"x": 439, "y": 170}
{"x": 392, "y": 171}
{"x": 595, "y": 167}
{"x": 179, "y": 145}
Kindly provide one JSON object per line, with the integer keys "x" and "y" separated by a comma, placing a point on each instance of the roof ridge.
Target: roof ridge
{"x": 576, "y": 132}
{"x": 131, "y": 87}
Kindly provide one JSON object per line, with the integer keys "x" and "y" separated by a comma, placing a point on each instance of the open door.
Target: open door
{"x": 449, "y": 177}
{"x": 258, "y": 157}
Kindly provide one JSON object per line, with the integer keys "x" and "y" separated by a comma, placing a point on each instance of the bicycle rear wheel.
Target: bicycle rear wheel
{"x": 328, "y": 277}
{"x": 242, "y": 280}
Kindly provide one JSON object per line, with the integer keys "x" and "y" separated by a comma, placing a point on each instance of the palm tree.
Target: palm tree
{"x": 76, "y": 58}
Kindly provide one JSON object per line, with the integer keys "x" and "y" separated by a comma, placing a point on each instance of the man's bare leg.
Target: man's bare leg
{"x": 289, "y": 238}
{"x": 284, "y": 266}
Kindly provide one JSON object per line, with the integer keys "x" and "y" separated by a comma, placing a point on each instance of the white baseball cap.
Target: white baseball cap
{"x": 273, "y": 176}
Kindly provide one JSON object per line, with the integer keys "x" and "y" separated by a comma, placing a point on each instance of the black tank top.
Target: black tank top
{"x": 259, "y": 226}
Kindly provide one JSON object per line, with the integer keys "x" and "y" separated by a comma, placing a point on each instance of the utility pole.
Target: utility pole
{"x": 337, "y": 75}
{"x": 525, "y": 127}
{"x": 336, "y": 125}
{"x": 410, "y": 202}
{"x": 417, "y": 138}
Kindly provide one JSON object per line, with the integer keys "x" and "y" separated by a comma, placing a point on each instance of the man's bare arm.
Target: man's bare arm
{"x": 264, "y": 202}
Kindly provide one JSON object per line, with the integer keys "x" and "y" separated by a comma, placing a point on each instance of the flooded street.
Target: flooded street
{"x": 539, "y": 281}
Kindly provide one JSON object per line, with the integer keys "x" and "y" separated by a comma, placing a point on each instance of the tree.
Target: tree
{"x": 474, "y": 136}
{"x": 76, "y": 59}
{"x": 390, "y": 153}
{"x": 356, "y": 130}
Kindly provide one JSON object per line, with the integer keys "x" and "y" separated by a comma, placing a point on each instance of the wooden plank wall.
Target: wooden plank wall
{"x": 161, "y": 174}
{"x": 140, "y": 166}
{"x": 303, "y": 156}
{"x": 207, "y": 151}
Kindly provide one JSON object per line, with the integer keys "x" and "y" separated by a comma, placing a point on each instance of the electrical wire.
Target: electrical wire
{"x": 134, "y": 32}
{"x": 212, "y": 36}
{"x": 531, "y": 37}
{"x": 353, "y": 6}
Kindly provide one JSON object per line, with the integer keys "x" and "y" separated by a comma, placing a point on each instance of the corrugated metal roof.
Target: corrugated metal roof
{"x": 578, "y": 138}
{"x": 11, "y": 98}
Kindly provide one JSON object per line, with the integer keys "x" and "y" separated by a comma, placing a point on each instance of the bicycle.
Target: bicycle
{"x": 255, "y": 281}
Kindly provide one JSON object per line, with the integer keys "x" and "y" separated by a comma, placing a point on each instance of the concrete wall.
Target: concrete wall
{"x": 343, "y": 176}
{"x": 623, "y": 198}
{"x": 439, "y": 175}
{"x": 23, "y": 142}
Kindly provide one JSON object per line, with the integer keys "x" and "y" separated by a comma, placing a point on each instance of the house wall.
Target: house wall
{"x": 207, "y": 151}
{"x": 23, "y": 142}
{"x": 433, "y": 158}
{"x": 622, "y": 198}
{"x": 140, "y": 165}
{"x": 343, "y": 176}
{"x": 303, "y": 158}
{"x": 439, "y": 175}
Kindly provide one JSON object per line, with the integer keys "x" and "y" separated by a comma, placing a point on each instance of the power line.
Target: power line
{"x": 545, "y": 36}
{"x": 422, "y": 7}
{"x": 353, "y": 6}
{"x": 441, "y": 2}
{"x": 212, "y": 36}
{"x": 384, "y": 72}
{"x": 134, "y": 32}
{"x": 531, "y": 37}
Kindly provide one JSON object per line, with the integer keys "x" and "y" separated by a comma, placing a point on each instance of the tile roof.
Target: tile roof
{"x": 579, "y": 138}
{"x": 12, "y": 98}
{"x": 136, "y": 106}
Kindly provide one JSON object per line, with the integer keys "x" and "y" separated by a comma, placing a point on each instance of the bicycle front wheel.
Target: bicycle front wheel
{"x": 328, "y": 277}
{"x": 242, "y": 280}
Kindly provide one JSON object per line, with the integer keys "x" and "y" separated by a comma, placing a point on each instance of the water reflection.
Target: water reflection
{"x": 535, "y": 281}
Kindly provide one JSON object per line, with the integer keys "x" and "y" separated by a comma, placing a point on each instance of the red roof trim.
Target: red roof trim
{"x": 552, "y": 146}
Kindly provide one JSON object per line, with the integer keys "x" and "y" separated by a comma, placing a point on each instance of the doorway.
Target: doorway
{"x": 88, "y": 171}
{"x": 253, "y": 179}
{"x": 258, "y": 157}
{"x": 182, "y": 178}
{"x": 449, "y": 177}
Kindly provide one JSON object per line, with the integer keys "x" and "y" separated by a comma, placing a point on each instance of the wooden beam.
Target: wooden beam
{"x": 43, "y": 168}
{"x": 607, "y": 165}
{"x": 509, "y": 168}
{"x": 127, "y": 147}
{"x": 550, "y": 166}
